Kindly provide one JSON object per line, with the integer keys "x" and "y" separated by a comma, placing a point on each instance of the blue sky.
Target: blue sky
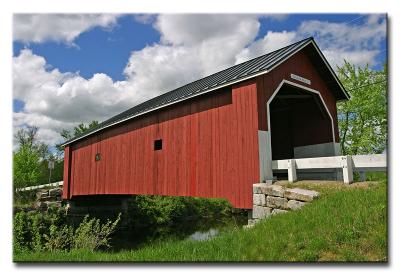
{"x": 98, "y": 50}
{"x": 92, "y": 67}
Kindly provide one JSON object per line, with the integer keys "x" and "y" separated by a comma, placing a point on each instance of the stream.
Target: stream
{"x": 198, "y": 230}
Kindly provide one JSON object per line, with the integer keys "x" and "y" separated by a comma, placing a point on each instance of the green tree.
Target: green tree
{"x": 77, "y": 131}
{"x": 363, "y": 118}
{"x": 26, "y": 166}
{"x": 28, "y": 158}
{"x": 27, "y": 137}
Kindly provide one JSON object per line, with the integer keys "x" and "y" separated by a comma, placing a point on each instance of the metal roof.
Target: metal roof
{"x": 234, "y": 74}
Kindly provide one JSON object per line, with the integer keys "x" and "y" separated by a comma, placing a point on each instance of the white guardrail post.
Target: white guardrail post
{"x": 292, "y": 176}
{"x": 347, "y": 167}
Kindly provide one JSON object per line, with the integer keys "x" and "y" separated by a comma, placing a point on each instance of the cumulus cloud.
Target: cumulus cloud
{"x": 56, "y": 101}
{"x": 358, "y": 44}
{"x": 212, "y": 39}
{"x": 39, "y": 28}
{"x": 145, "y": 18}
{"x": 159, "y": 68}
{"x": 191, "y": 46}
{"x": 193, "y": 29}
{"x": 48, "y": 127}
{"x": 270, "y": 42}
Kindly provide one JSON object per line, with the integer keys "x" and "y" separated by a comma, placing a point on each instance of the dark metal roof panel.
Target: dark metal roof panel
{"x": 225, "y": 77}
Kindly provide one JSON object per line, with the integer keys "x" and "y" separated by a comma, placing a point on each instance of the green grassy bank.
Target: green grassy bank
{"x": 347, "y": 223}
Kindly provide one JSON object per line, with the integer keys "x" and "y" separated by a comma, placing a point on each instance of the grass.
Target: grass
{"x": 347, "y": 223}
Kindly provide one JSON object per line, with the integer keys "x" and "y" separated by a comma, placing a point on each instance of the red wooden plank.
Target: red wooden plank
{"x": 193, "y": 150}
{"x": 235, "y": 133}
{"x": 72, "y": 172}
{"x": 240, "y": 166}
{"x": 92, "y": 171}
{"x": 180, "y": 135}
{"x": 214, "y": 148}
{"x": 188, "y": 147}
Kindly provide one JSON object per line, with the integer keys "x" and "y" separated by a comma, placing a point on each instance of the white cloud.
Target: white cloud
{"x": 46, "y": 92}
{"x": 210, "y": 41}
{"x": 358, "y": 44}
{"x": 194, "y": 29}
{"x": 49, "y": 128}
{"x": 39, "y": 28}
{"x": 55, "y": 100}
{"x": 145, "y": 18}
{"x": 270, "y": 42}
{"x": 191, "y": 46}
{"x": 336, "y": 57}
{"x": 159, "y": 68}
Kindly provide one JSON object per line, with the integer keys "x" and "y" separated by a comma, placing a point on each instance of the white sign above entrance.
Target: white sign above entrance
{"x": 301, "y": 79}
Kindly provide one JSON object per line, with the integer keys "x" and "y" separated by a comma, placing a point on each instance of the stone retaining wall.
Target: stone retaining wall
{"x": 273, "y": 199}
{"x": 48, "y": 198}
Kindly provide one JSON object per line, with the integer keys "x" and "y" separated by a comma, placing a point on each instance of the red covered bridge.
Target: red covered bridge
{"x": 214, "y": 137}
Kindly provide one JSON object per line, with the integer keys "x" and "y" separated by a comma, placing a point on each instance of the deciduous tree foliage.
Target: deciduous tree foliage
{"x": 77, "y": 131}
{"x": 27, "y": 137}
{"x": 28, "y": 158}
{"x": 26, "y": 166}
{"x": 363, "y": 118}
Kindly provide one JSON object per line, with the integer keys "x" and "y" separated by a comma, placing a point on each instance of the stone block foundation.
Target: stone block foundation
{"x": 275, "y": 199}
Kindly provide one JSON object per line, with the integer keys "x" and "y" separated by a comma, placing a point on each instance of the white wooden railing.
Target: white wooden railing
{"x": 53, "y": 184}
{"x": 348, "y": 164}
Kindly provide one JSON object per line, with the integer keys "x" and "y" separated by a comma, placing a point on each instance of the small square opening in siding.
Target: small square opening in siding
{"x": 157, "y": 144}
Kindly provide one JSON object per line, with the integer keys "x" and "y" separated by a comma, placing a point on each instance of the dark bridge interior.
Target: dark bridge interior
{"x": 298, "y": 118}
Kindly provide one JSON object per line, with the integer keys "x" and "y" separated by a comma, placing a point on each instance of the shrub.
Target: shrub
{"x": 48, "y": 231}
{"x": 30, "y": 228}
{"x": 59, "y": 238}
{"x": 21, "y": 232}
{"x": 38, "y": 227}
{"x": 91, "y": 235}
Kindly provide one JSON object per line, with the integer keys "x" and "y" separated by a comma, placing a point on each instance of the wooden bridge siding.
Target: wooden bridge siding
{"x": 301, "y": 65}
{"x": 210, "y": 149}
{"x": 82, "y": 165}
